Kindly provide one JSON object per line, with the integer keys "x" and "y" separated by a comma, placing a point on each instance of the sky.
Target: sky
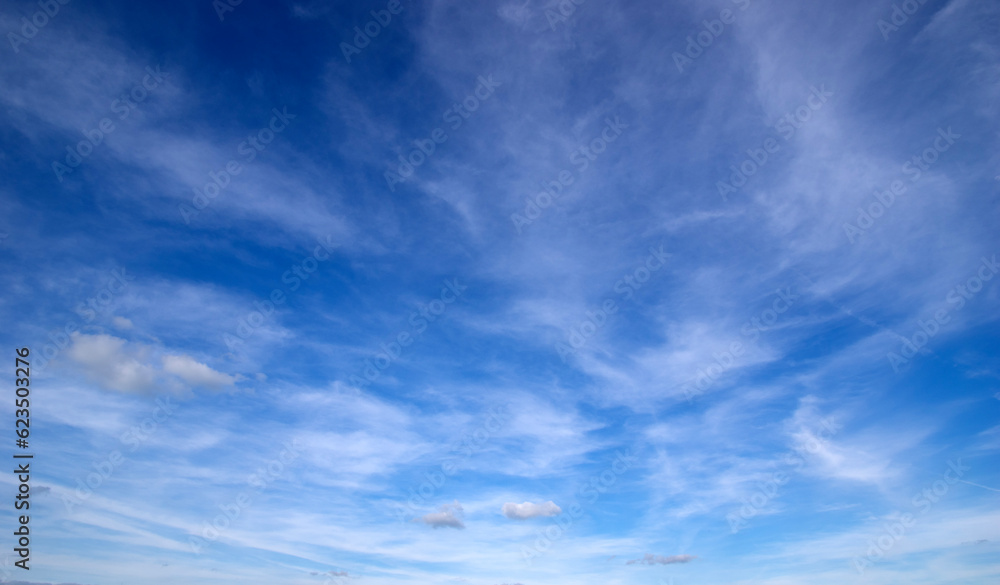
{"x": 503, "y": 293}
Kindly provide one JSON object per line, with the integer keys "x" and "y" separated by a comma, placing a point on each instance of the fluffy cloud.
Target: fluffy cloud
{"x": 195, "y": 373}
{"x": 649, "y": 559}
{"x": 122, "y": 323}
{"x": 116, "y": 364}
{"x": 530, "y": 510}
{"x": 447, "y": 516}
{"x": 107, "y": 361}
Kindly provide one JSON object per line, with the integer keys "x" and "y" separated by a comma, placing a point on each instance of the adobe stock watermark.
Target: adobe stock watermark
{"x": 263, "y": 310}
{"x": 899, "y": 16}
{"x": 957, "y": 296}
{"x": 248, "y": 150}
{"x": 364, "y": 36}
{"x": 589, "y": 493}
{"x": 786, "y": 126}
{"x": 698, "y": 42}
{"x": 768, "y": 490}
{"x": 223, "y": 6}
{"x": 133, "y": 438}
{"x": 582, "y": 158}
{"x": 419, "y": 320}
{"x": 123, "y": 106}
{"x": 913, "y": 169}
{"x": 469, "y": 445}
{"x": 38, "y": 20}
{"x": 564, "y": 10}
{"x": 751, "y": 330}
{"x": 634, "y": 280}
{"x": 264, "y": 476}
{"x": 896, "y": 529}
{"x": 455, "y": 117}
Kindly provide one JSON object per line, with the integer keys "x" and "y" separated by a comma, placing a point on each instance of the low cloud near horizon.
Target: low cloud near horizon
{"x": 447, "y": 516}
{"x": 650, "y": 559}
{"x": 530, "y": 510}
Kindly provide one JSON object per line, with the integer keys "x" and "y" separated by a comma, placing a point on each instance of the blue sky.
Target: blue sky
{"x": 524, "y": 292}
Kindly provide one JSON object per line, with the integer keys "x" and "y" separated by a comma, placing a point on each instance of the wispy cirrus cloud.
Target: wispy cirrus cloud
{"x": 368, "y": 451}
{"x": 651, "y": 559}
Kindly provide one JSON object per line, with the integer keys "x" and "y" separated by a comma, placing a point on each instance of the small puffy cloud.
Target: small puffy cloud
{"x": 530, "y": 510}
{"x": 121, "y": 323}
{"x": 194, "y": 372}
{"x": 116, "y": 364}
{"x": 106, "y": 361}
{"x": 649, "y": 559}
{"x": 448, "y": 516}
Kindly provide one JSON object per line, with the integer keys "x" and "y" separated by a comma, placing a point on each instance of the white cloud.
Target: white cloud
{"x": 449, "y": 515}
{"x": 121, "y": 323}
{"x": 106, "y": 360}
{"x": 530, "y": 510}
{"x": 116, "y": 364}
{"x": 195, "y": 373}
{"x": 649, "y": 559}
